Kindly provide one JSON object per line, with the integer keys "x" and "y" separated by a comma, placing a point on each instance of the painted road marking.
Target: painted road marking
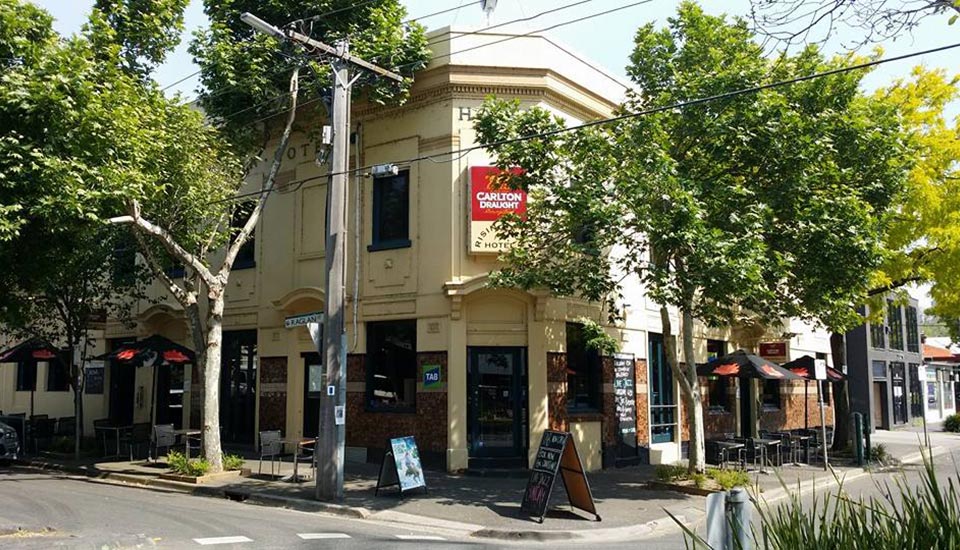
{"x": 317, "y": 536}
{"x": 419, "y": 537}
{"x": 221, "y": 540}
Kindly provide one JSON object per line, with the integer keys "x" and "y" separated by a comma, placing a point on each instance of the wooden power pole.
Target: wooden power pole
{"x": 330, "y": 441}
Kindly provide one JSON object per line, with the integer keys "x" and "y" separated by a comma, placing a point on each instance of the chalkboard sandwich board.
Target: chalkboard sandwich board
{"x": 557, "y": 454}
{"x": 401, "y": 466}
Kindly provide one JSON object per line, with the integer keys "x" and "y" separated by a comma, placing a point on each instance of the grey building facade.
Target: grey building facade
{"x": 884, "y": 367}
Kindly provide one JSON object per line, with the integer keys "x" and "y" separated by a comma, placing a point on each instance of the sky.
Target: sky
{"x": 605, "y": 39}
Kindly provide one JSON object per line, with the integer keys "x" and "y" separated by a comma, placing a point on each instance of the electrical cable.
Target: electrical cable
{"x": 637, "y": 114}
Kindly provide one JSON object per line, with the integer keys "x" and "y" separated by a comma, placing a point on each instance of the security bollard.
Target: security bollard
{"x": 867, "y": 428}
{"x": 738, "y": 519}
{"x": 858, "y": 437}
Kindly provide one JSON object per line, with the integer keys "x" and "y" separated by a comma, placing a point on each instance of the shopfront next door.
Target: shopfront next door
{"x": 497, "y": 408}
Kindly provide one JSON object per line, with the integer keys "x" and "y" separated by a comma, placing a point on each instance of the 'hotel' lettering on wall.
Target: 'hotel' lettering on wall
{"x": 488, "y": 203}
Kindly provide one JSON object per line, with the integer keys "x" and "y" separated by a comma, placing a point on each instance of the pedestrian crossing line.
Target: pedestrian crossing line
{"x": 319, "y": 536}
{"x": 419, "y": 537}
{"x": 221, "y": 540}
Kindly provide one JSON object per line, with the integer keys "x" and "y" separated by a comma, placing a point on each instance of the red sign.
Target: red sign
{"x": 42, "y": 354}
{"x": 488, "y": 201}
{"x": 773, "y": 349}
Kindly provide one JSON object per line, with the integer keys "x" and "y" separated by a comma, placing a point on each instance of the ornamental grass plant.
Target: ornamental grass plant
{"x": 920, "y": 515}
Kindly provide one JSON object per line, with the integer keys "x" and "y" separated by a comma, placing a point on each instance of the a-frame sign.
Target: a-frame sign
{"x": 557, "y": 454}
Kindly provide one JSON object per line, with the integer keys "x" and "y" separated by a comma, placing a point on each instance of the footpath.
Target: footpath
{"x": 489, "y": 507}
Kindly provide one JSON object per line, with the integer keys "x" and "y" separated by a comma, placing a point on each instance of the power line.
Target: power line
{"x": 637, "y": 114}
{"x": 511, "y": 22}
{"x": 441, "y": 12}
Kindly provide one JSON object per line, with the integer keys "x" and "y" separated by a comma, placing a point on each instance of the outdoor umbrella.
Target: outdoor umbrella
{"x": 30, "y": 352}
{"x": 152, "y": 351}
{"x": 804, "y": 367}
{"x": 747, "y": 365}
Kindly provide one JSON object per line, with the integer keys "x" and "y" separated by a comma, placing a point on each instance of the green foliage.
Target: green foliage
{"x": 671, "y": 472}
{"x": 754, "y": 208}
{"x": 245, "y": 79}
{"x": 180, "y": 464}
{"x": 952, "y": 423}
{"x": 728, "y": 479}
{"x": 597, "y": 339}
{"x": 699, "y": 480}
{"x": 232, "y": 462}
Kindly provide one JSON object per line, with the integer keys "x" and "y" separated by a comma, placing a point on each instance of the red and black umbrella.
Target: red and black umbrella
{"x": 746, "y": 365}
{"x": 30, "y": 352}
{"x": 156, "y": 351}
{"x": 153, "y": 350}
{"x": 804, "y": 368}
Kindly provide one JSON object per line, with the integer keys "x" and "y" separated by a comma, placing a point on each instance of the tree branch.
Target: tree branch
{"x": 267, "y": 186}
{"x": 168, "y": 242}
{"x": 180, "y": 294}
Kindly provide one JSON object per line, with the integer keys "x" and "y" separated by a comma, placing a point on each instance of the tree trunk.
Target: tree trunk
{"x": 694, "y": 400}
{"x": 211, "y": 382}
{"x": 842, "y": 432}
{"x": 690, "y": 393}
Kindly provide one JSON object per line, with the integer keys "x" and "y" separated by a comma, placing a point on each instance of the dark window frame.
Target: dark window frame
{"x": 247, "y": 255}
{"x": 376, "y": 338}
{"x": 58, "y": 376}
{"x": 913, "y": 330}
{"x": 895, "y": 326}
{"x": 718, "y": 387}
{"x": 26, "y": 376}
{"x": 584, "y": 371}
{"x": 770, "y": 395}
{"x": 399, "y": 235}
{"x": 664, "y": 426}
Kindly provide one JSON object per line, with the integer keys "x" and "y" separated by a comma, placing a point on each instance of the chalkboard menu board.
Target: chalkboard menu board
{"x": 93, "y": 378}
{"x": 401, "y": 466}
{"x": 625, "y": 401}
{"x": 557, "y": 454}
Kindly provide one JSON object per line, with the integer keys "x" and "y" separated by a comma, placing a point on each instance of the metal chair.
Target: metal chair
{"x": 308, "y": 450}
{"x": 67, "y": 426}
{"x": 139, "y": 434}
{"x": 43, "y": 428}
{"x": 163, "y": 436}
{"x": 271, "y": 445}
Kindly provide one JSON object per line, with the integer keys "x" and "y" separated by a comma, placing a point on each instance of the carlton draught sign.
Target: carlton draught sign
{"x": 487, "y": 203}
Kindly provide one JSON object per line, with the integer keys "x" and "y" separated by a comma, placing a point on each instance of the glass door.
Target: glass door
{"x": 898, "y": 374}
{"x": 313, "y": 387}
{"x": 497, "y": 408}
{"x": 238, "y": 386}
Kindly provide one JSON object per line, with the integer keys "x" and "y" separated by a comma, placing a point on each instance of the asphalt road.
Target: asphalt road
{"x": 56, "y": 511}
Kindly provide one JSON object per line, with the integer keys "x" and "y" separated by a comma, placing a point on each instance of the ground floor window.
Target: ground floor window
{"x": 933, "y": 390}
{"x": 58, "y": 376}
{"x": 26, "y": 376}
{"x": 947, "y": 390}
{"x": 583, "y": 371}
{"x": 663, "y": 405}
{"x": 770, "y": 394}
{"x": 392, "y": 365}
{"x": 718, "y": 387}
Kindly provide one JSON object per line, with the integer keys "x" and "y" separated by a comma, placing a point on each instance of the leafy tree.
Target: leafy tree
{"x": 815, "y": 21}
{"x": 64, "y": 282}
{"x": 741, "y": 211}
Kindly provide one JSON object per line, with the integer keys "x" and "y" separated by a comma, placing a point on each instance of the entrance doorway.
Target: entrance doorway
{"x": 238, "y": 386}
{"x": 497, "y": 405}
{"x": 169, "y": 392}
{"x": 880, "y": 406}
{"x": 898, "y": 374}
{"x": 313, "y": 384}
{"x": 123, "y": 382}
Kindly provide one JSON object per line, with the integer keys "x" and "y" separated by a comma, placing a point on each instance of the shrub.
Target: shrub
{"x": 184, "y": 466}
{"x": 699, "y": 480}
{"x": 879, "y": 453}
{"x": 728, "y": 479}
{"x": 952, "y": 423}
{"x": 671, "y": 472}
{"x": 232, "y": 462}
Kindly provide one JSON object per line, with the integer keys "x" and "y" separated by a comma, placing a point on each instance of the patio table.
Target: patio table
{"x": 726, "y": 447}
{"x": 116, "y": 430}
{"x": 297, "y": 444}
{"x": 804, "y": 440}
{"x": 764, "y": 445}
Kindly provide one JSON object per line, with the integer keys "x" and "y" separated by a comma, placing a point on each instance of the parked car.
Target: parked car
{"x": 9, "y": 443}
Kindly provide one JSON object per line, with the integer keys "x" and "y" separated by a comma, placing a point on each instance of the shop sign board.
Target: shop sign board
{"x": 774, "y": 351}
{"x": 488, "y": 203}
{"x": 401, "y": 466}
{"x": 557, "y": 455}
{"x": 625, "y": 402}
{"x": 93, "y": 377}
{"x": 431, "y": 376}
